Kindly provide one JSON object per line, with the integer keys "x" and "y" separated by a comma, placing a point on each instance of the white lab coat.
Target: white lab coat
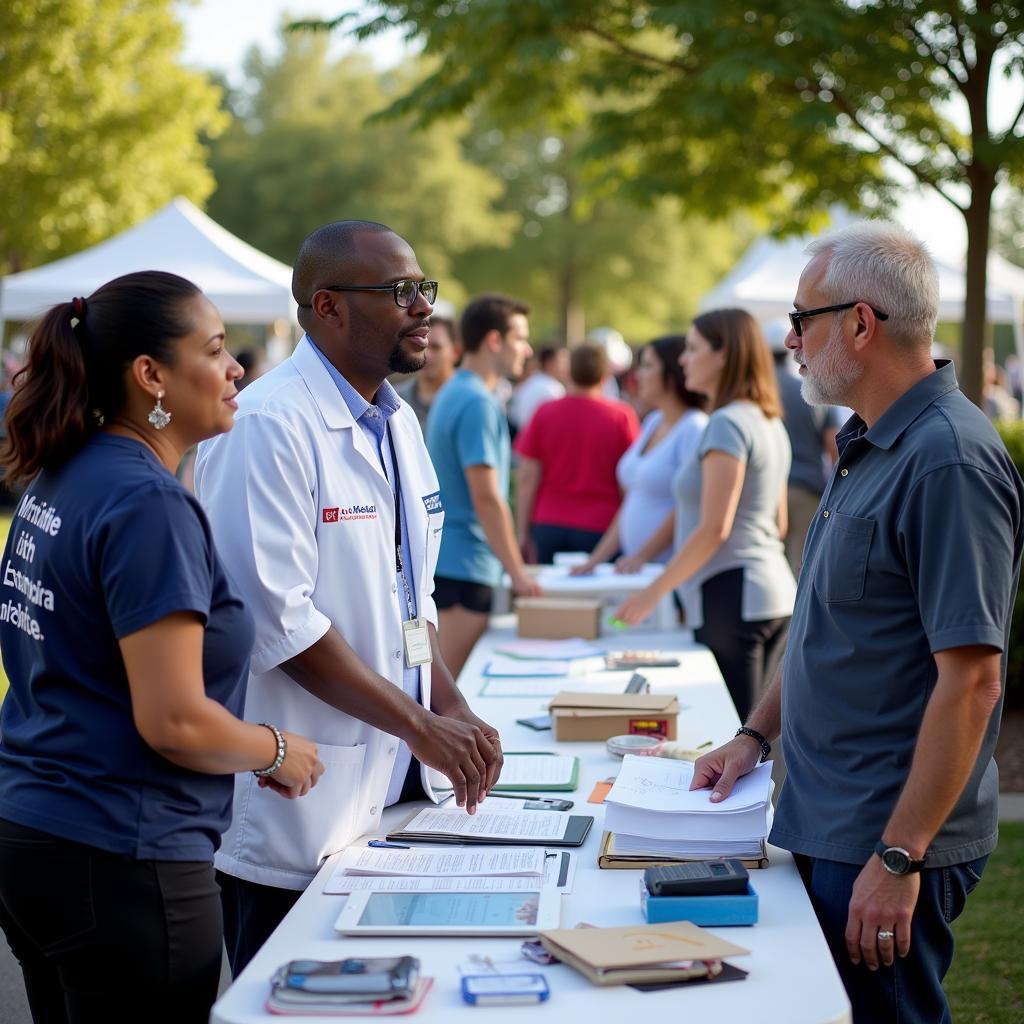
{"x": 303, "y": 519}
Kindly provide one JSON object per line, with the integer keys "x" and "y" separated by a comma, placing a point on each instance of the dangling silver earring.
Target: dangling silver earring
{"x": 159, "y": 416}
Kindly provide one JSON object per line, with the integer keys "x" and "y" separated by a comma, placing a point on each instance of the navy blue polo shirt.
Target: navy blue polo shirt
{"x": 915, "y": 549}
{"x": 109, "y": 544}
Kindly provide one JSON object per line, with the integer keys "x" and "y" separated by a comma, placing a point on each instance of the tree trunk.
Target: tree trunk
{"x": 978, "y": 217}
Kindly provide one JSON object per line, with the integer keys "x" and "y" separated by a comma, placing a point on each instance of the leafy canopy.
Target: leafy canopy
{"x": 99, "y": 124}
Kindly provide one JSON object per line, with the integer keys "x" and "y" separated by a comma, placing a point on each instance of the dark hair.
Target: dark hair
{"x": 488, "y": 313}
{"x": 74, "y": 375}
{"x": 546, "y": 355}
{"x": 667, "y": 350}
{"x": 588, "y": 364}
{"x": 748, "y": 372}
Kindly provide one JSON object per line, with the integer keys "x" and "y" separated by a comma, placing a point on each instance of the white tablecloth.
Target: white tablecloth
{"x": 792, "y": 979}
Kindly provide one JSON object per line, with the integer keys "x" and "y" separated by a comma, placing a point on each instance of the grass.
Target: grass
{"x": 986, "y": 983}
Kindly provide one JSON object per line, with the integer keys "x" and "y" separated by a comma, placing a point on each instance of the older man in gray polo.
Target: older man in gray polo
{"x": 888, "y": 702}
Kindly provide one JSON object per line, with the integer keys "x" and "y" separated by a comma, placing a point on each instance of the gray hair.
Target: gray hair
{"x": 884, "y": 265}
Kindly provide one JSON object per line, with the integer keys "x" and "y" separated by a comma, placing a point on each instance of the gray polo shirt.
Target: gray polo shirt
{"x": 916, "y": 549}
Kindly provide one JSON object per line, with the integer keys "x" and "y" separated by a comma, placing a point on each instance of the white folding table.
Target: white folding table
{"x": 792, "y": 979}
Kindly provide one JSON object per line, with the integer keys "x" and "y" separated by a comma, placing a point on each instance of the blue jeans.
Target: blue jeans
{"x": 909, "y": 992}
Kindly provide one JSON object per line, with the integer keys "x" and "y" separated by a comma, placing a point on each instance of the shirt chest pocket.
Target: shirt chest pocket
{"x": 843, "y": 562}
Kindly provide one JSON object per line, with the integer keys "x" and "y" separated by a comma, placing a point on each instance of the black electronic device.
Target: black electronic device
{"x": 698, "y": 878}
{"x": 539, "y": 723}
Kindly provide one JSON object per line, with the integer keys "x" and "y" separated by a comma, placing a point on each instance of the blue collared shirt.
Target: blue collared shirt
{"x": 915, "y": 549}
{"x": 372, "y": 418}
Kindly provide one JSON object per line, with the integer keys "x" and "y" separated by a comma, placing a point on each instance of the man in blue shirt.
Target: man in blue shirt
{"x": 889, "y": 699}
{"x": 468, "y": 440}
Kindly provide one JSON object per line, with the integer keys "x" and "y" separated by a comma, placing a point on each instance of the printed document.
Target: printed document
{"x": 364, "y": 860}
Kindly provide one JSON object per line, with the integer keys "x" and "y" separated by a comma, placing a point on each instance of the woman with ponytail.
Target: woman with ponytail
{"x": 127, "y": 651}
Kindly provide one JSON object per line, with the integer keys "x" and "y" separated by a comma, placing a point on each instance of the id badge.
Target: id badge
{"x": 417, "y": 643}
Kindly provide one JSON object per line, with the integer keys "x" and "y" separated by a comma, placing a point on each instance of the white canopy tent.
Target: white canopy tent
{"x": 765, "y": 281}
{"x": 246, "y": 285}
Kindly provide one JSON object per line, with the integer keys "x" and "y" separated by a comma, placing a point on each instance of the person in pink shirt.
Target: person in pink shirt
{"x": 566, "y": 490}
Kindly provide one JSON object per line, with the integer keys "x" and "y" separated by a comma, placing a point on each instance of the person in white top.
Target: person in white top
{"x": 327, "y": 509}
{"x": 544, "y": 385}
{"x": 642, "y": 528}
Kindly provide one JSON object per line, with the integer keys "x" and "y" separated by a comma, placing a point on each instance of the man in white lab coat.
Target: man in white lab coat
{"x": 302, "y": 495}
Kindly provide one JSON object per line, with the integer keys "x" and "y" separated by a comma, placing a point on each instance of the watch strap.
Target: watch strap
{"x": 766, "y": 747}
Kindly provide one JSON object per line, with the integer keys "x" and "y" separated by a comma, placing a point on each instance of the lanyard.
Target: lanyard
{"x": 400, "y": 568}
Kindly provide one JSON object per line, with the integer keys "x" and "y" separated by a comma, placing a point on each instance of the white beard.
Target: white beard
{"x": 833, "y": 374}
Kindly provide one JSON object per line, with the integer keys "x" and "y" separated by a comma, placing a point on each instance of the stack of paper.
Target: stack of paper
{"x": 493, "y": 828}
{"x": 651, "y": 809}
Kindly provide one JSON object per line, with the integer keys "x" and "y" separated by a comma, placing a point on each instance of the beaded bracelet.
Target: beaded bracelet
{"x": 282, "y": 749}
{"x": 766, "y": 747}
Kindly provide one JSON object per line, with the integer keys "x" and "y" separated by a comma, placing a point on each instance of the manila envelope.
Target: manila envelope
{"x": 642, "y": 945}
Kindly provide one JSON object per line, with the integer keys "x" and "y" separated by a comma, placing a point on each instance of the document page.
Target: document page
{"x": 536, "y": 770}
{"x": 362, "y": 860}
{"x": 661, "y": 784}
{"x": 549, "y": 650}
{"x": 558, "y": 873}
{"x": 539, "y": 826}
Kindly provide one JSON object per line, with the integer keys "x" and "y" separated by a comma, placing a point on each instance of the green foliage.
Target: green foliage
{"x": 302, "y": 152}
{"x": 1012, "y": 434}
{"x": 586, "y": 255}
{"x": 789, "y": 108}
{"x": 99, "y": 126}
{"x": 985, "y": 985}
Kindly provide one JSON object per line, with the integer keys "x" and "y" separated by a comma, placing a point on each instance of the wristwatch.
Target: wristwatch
{"x": 896, "y": 860}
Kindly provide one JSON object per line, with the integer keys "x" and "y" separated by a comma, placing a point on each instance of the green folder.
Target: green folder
{"x": 563, "y": 783}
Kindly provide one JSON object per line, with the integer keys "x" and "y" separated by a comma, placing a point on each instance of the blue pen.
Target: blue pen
{"x": 383, "y": 844}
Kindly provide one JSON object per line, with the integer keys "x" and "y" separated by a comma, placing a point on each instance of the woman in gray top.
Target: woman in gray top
{"x": 729, "y": 566}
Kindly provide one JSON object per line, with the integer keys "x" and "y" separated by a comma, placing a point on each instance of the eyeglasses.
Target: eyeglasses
{"x": 405, "y": 292}
{"x": 797, "y": 317}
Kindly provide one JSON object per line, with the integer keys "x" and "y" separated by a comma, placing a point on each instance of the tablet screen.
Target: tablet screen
{"x": 453, "y": 910}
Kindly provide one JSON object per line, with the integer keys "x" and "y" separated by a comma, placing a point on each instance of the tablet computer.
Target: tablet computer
{"x": 450, "y": 913}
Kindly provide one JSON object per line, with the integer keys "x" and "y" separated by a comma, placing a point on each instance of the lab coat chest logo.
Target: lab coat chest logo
{"x": 345, "y": 514}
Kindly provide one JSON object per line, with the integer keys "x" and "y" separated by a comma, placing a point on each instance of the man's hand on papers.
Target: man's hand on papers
{"x": 629, "y": 565}
{"x": 721, "y": 767}
{"x": 881, "y": 902}
{"x": 465, "y": 749}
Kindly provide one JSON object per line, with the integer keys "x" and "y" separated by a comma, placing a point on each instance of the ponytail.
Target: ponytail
{"x": 48, "y": 416}
{"x": 78, "y": 358}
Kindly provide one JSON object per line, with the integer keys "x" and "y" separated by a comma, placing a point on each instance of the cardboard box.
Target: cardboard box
{"x": 597, "y": 716}
{"x": 709, "y": 911}
{"x": 559, "y": 618}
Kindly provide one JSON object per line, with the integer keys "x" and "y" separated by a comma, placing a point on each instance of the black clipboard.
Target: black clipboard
{"x": 576, "y": 831}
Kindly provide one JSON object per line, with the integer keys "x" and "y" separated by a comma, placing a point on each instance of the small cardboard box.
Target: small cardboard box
{"x": 559, "y": 618}
{"x": 597, "y": 716}
{"x": 708, "y": 911}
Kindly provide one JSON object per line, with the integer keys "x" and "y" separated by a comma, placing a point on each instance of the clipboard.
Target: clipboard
{"x": 570, "y": 785}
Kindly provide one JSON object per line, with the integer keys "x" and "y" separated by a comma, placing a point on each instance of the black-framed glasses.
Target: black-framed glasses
{"x": 797, "y": 317}
{"x": 405, "y": 292}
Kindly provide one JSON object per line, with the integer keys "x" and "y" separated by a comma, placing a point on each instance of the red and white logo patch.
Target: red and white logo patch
{"x": 331, "y": 515}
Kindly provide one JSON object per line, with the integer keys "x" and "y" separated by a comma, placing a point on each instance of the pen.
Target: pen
{"x": 383, "y": 844}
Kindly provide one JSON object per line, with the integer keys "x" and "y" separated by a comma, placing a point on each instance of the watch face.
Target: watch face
{"x": 896, "y": 861}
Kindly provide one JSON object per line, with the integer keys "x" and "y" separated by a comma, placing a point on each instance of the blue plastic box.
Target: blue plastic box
{"x": 710, "y": 911}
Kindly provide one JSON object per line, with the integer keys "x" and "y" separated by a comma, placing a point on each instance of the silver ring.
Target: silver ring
{"x": 886, "y": 936}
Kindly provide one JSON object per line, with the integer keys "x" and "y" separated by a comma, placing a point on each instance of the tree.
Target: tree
{"x": 99, "y": 126}
{"x": 300, "y": 153}
{"x": 586, "y": 259}
{"x": 792, "y": 108}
